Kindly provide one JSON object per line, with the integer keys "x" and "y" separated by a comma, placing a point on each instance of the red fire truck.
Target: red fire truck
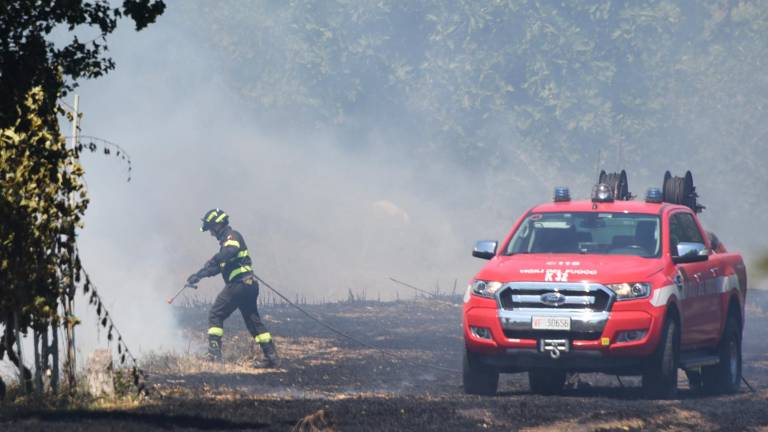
{"x": 610, "y": 284}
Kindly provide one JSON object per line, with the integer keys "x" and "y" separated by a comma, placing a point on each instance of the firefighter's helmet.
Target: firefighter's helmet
{"x": 214, "y": 217}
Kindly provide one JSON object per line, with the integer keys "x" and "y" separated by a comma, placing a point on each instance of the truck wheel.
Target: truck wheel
{"x": 546, "y": 381}
{"x": 478, "y": 379}
{"x": 660, "y": 377}
{"x": 725, "y": 377}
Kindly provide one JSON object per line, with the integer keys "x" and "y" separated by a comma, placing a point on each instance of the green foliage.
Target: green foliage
{"x": 42, "y": 200}
{"x": 29, "y": 58}
{"x": 42, "y": 194}
{"x": 123, "y": 381}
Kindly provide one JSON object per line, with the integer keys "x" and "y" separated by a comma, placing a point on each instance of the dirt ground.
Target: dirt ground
{"x": 329, "y": 381}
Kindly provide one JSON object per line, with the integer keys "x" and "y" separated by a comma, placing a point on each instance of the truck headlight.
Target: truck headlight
{"x": 631, "y": 290}
{"x": 485, "y": 288}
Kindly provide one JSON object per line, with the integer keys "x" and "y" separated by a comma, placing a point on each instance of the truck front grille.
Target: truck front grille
{"x": 591, "y": 297}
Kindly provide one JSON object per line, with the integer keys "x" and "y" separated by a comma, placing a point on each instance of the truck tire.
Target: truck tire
{"x": 660, "y": 377}
{"x": 725, "y": 377}
{"x": 546, "y": 381}
{"x": 478, "y": 379}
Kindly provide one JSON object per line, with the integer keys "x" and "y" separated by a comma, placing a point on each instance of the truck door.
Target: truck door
{"x": 715, "y": 296}
{"x": 695, "y": 302}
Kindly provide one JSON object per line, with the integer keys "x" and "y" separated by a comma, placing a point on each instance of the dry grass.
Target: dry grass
{"x": 633, "y": 424}
{"x": 676, "y": 419}
{"x": 79, "y": 399}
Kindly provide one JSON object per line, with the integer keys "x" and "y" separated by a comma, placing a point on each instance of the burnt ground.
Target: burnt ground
{"x": 352, "y": 387}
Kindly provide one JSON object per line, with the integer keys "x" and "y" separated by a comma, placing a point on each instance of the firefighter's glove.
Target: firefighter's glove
{"x": 193, "y": 280}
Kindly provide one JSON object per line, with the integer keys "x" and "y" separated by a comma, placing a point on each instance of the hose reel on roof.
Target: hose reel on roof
{"x": 618, "y": 184}
{"x": 680, "y": 190}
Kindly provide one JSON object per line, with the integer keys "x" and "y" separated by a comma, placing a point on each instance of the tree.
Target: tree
{"x": 569, "y": 76}
{"x": 524, "y": 89}
{"x": 38, "y": 180}
{"x": 28, "y": 58}
{"x": 42, "y": 195}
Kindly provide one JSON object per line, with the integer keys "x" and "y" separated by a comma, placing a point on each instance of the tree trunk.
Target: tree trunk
{"x": 69, "y": 365}
{"x": 45, "y": 363}
{"x": 25, "y": 376}
{"x": 54, "y": 347}
{"x": 38, "y": 366}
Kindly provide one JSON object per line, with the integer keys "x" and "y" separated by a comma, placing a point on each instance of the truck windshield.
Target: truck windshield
{"x": 587, "y": 233}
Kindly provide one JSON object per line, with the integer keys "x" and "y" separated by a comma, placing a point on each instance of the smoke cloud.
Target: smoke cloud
{"x": 319, "y": 219}
{"x": 321, "y": 215}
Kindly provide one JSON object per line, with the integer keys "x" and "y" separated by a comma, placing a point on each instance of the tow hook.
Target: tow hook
{"x": 555, "y": 347}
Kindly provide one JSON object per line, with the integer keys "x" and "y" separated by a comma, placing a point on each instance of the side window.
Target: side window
{"x": 521, "y": 241}
{"x": 682, "y": 228}
{"x": 675, "y": 233}
{"x": 690, "y": 228}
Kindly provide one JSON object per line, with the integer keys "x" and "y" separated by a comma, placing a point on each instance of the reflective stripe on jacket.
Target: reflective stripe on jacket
{"x": 234, "y": 260}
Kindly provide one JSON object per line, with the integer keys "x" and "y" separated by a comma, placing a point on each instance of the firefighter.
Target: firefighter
{"x": 241, "y": 289}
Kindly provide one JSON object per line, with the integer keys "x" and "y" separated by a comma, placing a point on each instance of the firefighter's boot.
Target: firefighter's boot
{"x": 271, "y": 359}
{"x": 214, "y": 348}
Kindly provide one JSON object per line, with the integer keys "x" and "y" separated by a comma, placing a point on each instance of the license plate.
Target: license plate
{"x": 550, "y": 323}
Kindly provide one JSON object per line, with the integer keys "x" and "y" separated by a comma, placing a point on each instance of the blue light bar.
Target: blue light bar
{"x": 654, "y": 195}
{"x": 562, "y": 194}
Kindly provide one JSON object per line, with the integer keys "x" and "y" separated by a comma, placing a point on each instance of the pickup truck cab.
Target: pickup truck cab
{"x": 616, "y": 286}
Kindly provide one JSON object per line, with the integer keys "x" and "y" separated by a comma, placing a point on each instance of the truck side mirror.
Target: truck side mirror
{"x": 688, "y": 252}
{"x": 485, "y": 249}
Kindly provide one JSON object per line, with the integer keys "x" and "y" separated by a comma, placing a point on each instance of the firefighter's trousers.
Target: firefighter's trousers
{"x": 241, "y": 294}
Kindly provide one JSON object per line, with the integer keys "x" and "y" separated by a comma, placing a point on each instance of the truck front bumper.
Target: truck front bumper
{"x": 581, "y": 360}
{"x": 507, "y": 340}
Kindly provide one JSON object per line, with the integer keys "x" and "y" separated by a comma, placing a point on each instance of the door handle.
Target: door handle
{"x": 713, "y": 271}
